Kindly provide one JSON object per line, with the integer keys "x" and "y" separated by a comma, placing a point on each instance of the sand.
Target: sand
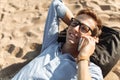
{"x": 22, "y": 25}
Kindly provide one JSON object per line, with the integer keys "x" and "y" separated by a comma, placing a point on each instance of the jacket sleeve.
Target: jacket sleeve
{"x": 56, "y": 11}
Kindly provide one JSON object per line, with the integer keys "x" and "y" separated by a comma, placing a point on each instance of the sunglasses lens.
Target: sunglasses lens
{"x": 84, "y": 28}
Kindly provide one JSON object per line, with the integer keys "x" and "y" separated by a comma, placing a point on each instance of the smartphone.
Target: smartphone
{"x": 81, "y": 41}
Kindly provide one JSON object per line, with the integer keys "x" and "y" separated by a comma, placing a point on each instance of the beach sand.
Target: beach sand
{"x": 22, "y": 25}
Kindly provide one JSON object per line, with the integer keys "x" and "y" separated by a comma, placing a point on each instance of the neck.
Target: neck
{"x": 71, "y": 49}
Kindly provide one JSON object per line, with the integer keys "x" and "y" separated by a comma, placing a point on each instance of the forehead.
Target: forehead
{"x": 86, "y": 19}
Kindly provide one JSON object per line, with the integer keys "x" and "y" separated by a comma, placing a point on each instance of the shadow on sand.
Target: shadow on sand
{"x": 11, "y": 70}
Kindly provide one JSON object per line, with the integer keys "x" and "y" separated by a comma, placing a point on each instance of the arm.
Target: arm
{"x": 86, "y": 51}
{"x": 83, "y": 70}
{"x": 57, "y": 10}
{"x": 66, "y": 19}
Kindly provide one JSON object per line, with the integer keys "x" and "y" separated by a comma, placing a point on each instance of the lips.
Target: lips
{"x": 72, "y": 37}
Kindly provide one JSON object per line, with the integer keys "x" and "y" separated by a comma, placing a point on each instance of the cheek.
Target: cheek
{"x": 86, "y": 34}
{"x": 69, "y": 29}
{"x": 67, "y": 32}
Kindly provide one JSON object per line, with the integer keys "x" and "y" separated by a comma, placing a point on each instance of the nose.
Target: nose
{"x": 76, "y": 29}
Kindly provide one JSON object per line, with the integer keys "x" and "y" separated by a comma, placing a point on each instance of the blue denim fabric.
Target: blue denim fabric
{"x": 51, "y": 64}
{"x": 56, "y": 11}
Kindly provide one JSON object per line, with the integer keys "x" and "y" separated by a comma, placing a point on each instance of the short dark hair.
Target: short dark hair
{"x": 90, "y": 12}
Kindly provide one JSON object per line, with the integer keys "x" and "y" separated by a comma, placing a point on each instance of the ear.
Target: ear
{"x": 96, "y": 39}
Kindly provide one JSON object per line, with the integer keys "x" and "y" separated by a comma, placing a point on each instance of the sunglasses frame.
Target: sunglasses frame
{"x": 80, "y": 23}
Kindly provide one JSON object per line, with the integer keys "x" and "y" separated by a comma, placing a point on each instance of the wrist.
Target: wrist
{"x": 82, "y": 58}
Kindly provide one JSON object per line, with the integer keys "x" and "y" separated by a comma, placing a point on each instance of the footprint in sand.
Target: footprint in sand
{"x": 13, "y": 50}
{"x": 35, "y": 46}
{"x": 1, "y": 35}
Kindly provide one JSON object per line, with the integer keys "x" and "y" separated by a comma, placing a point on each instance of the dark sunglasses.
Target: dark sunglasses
{"x": 83, "y": 28}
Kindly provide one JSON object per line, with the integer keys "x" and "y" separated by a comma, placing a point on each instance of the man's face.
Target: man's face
{"x": 82, "y": 25}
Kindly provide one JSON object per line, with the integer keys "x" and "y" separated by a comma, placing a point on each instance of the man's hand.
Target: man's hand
{"x": 88, "y": 47}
